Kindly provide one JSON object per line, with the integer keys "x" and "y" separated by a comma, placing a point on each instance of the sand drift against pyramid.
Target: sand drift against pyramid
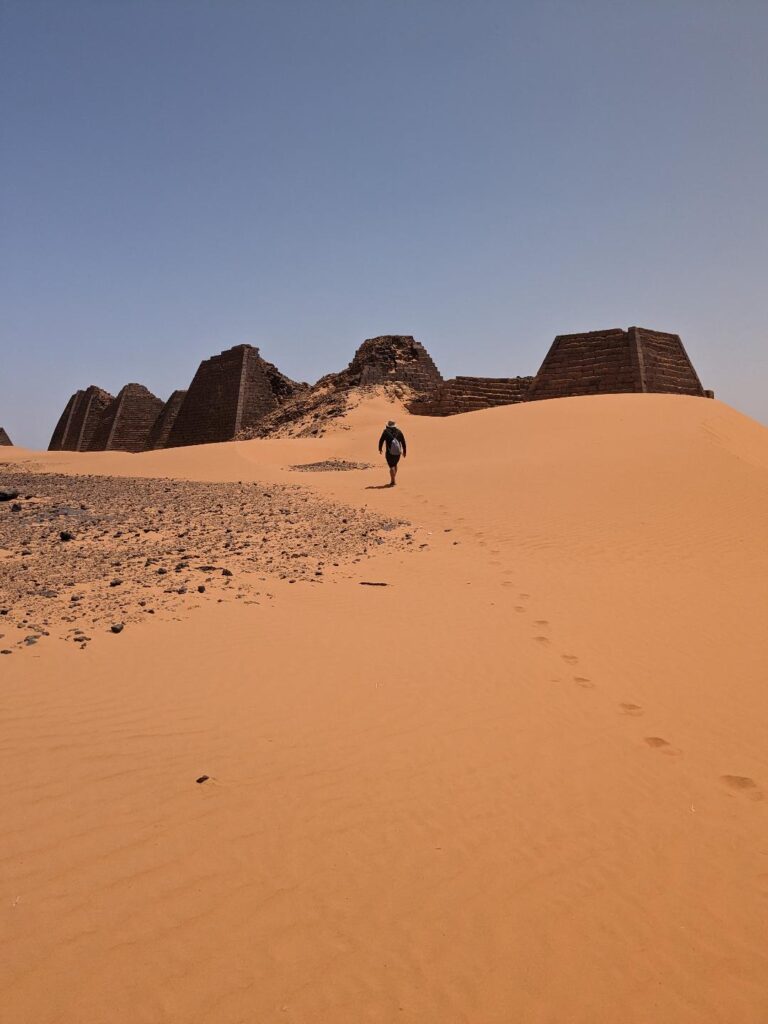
{"x": 237, "y": 394}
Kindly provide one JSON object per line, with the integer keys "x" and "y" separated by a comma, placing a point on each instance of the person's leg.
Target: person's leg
{"x": 392, "y": 475}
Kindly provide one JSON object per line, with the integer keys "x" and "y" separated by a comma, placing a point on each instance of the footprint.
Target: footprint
{"x": 523, "y": 596}
{"x": 541, "y": 639}
{"x": 631, "y": 709}
{"x": 662, "y": 745}
{"x": 743, "y": 784}
{"x": 519, "y": 608}
{"x": 583, "y": 681}
{"x": 507, "y": 583}
{"x": 571, "y": 659}
{"x": 541, "y": 622}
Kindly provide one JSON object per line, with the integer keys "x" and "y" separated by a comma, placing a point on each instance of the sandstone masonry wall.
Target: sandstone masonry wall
{"x": 467, "y": 394}
{"x": 4, "y": 439}
{"x": 593, "y": 363}
{"x": 161, "y": 428}
{"x": 663, "y": 363}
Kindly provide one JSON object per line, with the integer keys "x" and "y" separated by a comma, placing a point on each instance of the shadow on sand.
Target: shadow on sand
{"x": 379, "y": 487}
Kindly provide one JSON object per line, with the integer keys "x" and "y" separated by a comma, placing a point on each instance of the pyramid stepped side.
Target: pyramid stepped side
{"x": 126, "y": 422}
{"x": 80, "y": 421}
{"x": 468, "y": 394}
{"x": 664, "y": 363}
{"x": 230, "y": 392}
{"x": 61, "y": 437}
{"x": 262, "y": 390}
{"x": 161, "y": 428}
{"x": 593, "y": 363}
{"x": 4, "y": 439}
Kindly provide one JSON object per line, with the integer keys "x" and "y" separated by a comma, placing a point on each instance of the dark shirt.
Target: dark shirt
{"x": 386, "y": 436}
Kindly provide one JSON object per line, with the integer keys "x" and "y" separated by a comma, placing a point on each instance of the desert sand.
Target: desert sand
{"x": 525, "y": 781}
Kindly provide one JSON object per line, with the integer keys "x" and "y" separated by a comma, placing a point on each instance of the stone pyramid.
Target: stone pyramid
{"x": 126, "y": 422}
{"x": 80, "y": 420}
{"x": 615, "y": 361}
{"x": 229, "y": 393}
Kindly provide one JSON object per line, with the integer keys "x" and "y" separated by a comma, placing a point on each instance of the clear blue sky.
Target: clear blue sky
{"x": 180, "y": 176}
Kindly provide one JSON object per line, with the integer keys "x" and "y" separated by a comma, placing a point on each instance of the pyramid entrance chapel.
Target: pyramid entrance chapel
{"x": 238, "y": 394}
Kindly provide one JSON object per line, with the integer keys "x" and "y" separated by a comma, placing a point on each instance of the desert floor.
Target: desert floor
{"x": 525, "y": 781}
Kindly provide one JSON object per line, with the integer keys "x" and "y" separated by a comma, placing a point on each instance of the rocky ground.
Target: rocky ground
{"x": 311, "y": 413}
{"x": 330, "y": 466}
{"x": 82, "y": 554}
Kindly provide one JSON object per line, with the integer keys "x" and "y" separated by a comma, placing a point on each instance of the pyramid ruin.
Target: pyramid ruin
{"x": 229, "y": 393}
{"x": 390, "y": 358}
{"x": 4, "y": 439}
{"x": 615, "y": 361}
{"x": 161, "y": 428}
{"x": 80, "y": 420}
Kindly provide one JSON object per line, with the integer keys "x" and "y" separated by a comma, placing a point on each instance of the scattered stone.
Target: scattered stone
{"x": 330, "y": 466}
{"x": 8, "y": 495}
{"x": 280, "y": 531}
{"x": 117, "y": 627}
{"x": 202, "y": 778}
{"x": 65, "y": 535}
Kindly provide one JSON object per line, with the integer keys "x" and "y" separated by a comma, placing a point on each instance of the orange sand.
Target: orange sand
{"x": 523, "y": 783}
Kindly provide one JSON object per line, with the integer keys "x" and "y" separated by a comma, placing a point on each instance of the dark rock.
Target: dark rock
{"x": 115, "y": 583}
{"x": 65, "y": 535}
{"x": 117, "y": 627}
{"x": 202, "y": 778}
{"x": 8, "y": 495}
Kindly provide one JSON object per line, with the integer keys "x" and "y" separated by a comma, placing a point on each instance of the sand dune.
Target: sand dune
{"x": 525, "y": 781}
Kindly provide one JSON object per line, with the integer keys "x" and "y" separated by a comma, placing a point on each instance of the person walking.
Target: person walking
{"x": 394, "y": 440}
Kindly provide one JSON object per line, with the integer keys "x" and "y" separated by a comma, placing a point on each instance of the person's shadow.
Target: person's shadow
{"x": 378, "y": 487}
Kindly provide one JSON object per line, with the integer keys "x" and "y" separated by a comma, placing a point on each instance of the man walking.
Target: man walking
{"x": 394, "y": 440}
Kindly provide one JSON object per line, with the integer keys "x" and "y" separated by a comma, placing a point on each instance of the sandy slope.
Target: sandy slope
{"x": 524, "y": 782}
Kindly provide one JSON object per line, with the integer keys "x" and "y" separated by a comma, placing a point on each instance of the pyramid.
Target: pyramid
{"x": 126, "y": 422}
{"x": 229, "y": 393}
{"x": 80, "y": 420}
{"x": 4, "y": 439}
{"x": 615, "y": 361}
